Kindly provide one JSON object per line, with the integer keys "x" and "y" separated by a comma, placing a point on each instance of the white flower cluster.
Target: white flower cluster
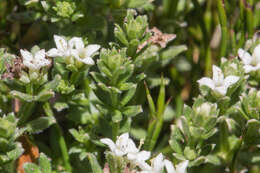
{"x": 36, "y": 61}
{"x": 125, "y": 146}
{"x": 74, "y": 48}
{"x": 219, "y": 84}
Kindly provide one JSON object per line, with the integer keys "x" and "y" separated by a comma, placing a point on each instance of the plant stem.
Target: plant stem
{"x": 25, "y": 112}
{"x": 206, "y": 39}
{"x": 156, "y": 133}
{"x": 250, "y": 17}
{"x": 115, "y": 130}
{"x": 60, "y": 138}
{"x": 242, "y": 25}
{"x": 223, "y": 23}
{"x": 29, "y": 89}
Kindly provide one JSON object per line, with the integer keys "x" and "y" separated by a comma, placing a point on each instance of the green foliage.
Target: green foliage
{"x": 10, "y": 148}
{"x": 43, "y": 166}
{"x": 67, "y": 106}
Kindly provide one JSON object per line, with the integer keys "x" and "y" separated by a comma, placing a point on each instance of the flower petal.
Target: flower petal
{"x": 169, "y": 166}
{"x": 221, "y": 90}
{"x": 205, "y": 81}
{"x": 256, "y": 53}
{"x": 249, "y": 68}
{"x": 245, "y": 56}
{"x": 54, "y": 53}
{"x": 230, "y": 80}
{"x": 61, "y": 43}
{"x": 30, "y": 65}
{"x": 92, "y": 48}
{"x": 122, "y": 141}
{"x": 26, "y": 55}
{"x": 218, "y": 76}
{"x": 143, "y": 155}
{"x": 76, "y": 42}
{"x": 145, "y": 167}
{"x": 157, "y": 163}
{"x": 88, "y": 61}
{"x": 110, "y": 143}
{"x": 40, "y": 54}
{"x": 182, "y": 167}
{"x": 131, "y": 147}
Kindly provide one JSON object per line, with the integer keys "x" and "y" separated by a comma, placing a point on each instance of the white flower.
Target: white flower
{"x": 180, "y": 168}
{"x": 36, "y": 61}
{"x": 63, "y": 49}
{"x": 81, "y": 53}
{"x": 218, "y": 84}
{"x": 139, "y": 158}
{"x": 122, "y": 146}
{"x": 73, "y": 48}
{"x": 158, "y": 163}
{"x": 251, "y": 63}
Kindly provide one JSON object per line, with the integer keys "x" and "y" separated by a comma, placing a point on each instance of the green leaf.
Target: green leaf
{"x": 117, "y": 116}
{"x": 99, "y": 78}
{"x": 7, "y": 128}
{"x": 44, "y": 163}
{"x": 168, "y": 55}
{"x": 96, "y": 168}
{"x": 161, "y": 99}
{"x": 52, "y": 85}
{"x": 197, "y": 162}
{"x": 252, "y": 134}
{"x": 31, "y": 168}
{"x": 120, "y": 35}
{"x": 38, "y": 125}
{"x": 128, "y": 95}
{"x": 150, "y": 102}
{"x": 59, "y": 106}
{"x": 44, "y": 96}
{"x": 132, "y": 111}
{"x": 22, "y": 96}
{"x": 14, "y": 154}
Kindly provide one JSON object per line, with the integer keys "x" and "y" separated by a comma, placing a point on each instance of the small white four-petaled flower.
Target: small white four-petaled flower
{"x": 251, "y": 63}
{"x": 34, "y": 61}
{"x": 123, "y": 145}
{"x": 73, "y": 48}
{"x": 218, "y": 83}
{"x": 158, "y": 164}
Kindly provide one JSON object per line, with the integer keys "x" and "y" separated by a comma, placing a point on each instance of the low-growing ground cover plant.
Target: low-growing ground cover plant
{"x": 97, "y": 87}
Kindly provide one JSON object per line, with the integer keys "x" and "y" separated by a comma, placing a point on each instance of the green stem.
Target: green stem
{"x": 75, "y": 77}
{"x": 250, "y": 17}
{"x": 149, "y": 134}
{"x": 115, "y": 130}
{"x": 25, "y": 112}
{"x": 169, "y": 7}
{"x": 29, "y": 88}
{"x": 156, "y": 133}
{"x": 206, "y": 38}
{"x": 179, "y": 106}
{"x": 223, "y": 23}
{"x": 242, "y": 25}
{"x": 59, "y": 137}
{"x": 234, "y": 159}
